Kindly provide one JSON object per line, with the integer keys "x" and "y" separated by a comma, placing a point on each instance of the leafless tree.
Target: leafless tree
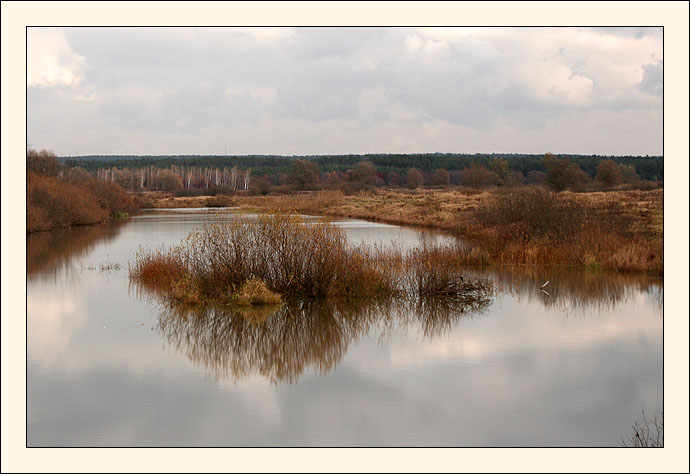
{"x": 647, "y": 433}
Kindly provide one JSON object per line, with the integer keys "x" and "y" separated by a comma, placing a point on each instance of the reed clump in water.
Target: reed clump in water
{"x": 434, "y": 271}
{"x": 295, "y": 258}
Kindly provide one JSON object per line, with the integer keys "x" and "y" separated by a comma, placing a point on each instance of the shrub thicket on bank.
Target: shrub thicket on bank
{"x": 294, "y": 257}
{"x": 535, "y": 226}
{"x": 56, "y": 199}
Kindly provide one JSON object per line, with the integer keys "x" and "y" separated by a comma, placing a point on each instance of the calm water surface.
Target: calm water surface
{"x": 107, "y": 365}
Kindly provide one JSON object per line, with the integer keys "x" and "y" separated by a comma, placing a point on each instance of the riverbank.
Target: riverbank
{"x": 54, "y": 202}
{"x": 615, "y": 230}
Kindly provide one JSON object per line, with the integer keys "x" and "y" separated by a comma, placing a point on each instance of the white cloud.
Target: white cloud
{"x": 51, "y": 61}
{"x": 258, "y": 93}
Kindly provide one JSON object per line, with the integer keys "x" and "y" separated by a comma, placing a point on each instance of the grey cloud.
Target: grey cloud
{"x": 175, "y": 81}
{"x": 653, "y": 79}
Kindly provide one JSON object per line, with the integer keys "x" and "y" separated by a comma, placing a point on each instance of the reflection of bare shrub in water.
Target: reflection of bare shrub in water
{"x": 278, "y": 342}
{"x": 281, "y": 342}
{"x": 437, "y": 316}
{"x": 571, "y": 287}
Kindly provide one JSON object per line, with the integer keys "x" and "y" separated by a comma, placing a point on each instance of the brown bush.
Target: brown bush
{"x": 219, "y": 201}
{"x": 533, "y": 212}
{"x": 609, "y": 173}
{"x": 292, "y": 257}
{"x": 168, "y": 181}
{"x": 54, "y": 202}
{"x": 536, "y": 226}
{"x": 414, "y": 178}
{"x": 477, "y": 176}
{"x": 111, "y": 196}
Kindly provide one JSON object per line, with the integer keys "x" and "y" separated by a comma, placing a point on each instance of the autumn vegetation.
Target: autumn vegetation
{"x": 249, "y": 260}
{"x": 58, "y": 197}
{"x": 606, "y": 230}
{"x": 603, "y": 213}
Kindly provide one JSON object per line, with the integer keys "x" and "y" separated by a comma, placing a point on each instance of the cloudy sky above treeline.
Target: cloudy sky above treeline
{"x": 345, "y": 90}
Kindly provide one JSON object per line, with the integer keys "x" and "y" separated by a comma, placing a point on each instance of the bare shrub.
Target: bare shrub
{"x": 434, "y": 271}
{"x": 646, "y": 433}
{"x": 533, "y": 212}
{"x": 43, "y": 162}
{"x": 294, "y": 257}
{"x": 609, "y": 173}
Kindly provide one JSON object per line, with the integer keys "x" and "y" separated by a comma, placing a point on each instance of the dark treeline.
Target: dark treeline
{"x": 650, "y": 168}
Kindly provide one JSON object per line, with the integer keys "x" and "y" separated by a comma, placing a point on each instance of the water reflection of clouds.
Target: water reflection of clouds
{"x": 52, "y": 320}
{"x": 511, "y": 326}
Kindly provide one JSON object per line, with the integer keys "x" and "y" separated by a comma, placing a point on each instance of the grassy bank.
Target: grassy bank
{"x": 260, "y": 261}
{"x": 614, "y": 230}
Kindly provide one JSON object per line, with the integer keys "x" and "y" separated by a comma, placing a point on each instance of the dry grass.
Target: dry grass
{"x": 255, "y": 292}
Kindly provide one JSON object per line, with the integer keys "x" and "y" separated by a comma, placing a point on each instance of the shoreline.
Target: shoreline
{"x": 454, "y": 210}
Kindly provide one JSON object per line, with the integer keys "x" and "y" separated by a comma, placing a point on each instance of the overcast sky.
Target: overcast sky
{"x": 345, "y": 90}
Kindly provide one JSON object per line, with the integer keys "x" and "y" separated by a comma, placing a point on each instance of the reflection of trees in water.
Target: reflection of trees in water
{"x": 51, "y": 251}
{"x": 573, "y": 288}
{"x": 280, "y": 343}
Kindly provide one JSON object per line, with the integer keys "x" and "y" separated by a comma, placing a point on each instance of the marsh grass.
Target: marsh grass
{"x": 612, "y": 230}
{"x": 532, "y": 225}
{"x": 247, "y": 260}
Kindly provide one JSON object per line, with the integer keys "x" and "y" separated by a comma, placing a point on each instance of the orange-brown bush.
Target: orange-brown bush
{"x": 293, "y": 257}
{"x": 53, "y": 202}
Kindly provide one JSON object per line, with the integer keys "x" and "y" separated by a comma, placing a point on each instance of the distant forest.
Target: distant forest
{"x": 187, "y": 175}
{"x": 650, "y": 168}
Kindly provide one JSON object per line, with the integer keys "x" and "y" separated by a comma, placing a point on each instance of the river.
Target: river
{"x": 109, "y": 365}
